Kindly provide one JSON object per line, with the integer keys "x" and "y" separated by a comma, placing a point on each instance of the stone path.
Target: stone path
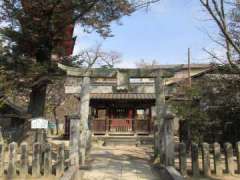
{"x": 120, "y": 163}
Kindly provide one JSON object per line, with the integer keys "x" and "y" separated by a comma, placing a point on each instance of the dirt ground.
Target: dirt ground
{"x": 120, "y": 163}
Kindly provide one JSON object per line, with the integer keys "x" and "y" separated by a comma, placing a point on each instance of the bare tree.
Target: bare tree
{"x": 225, "y": 19}
{"x": 96, "y": 57}
{"x": 146, "y": 63}
{"x": 55, "y": 98}
{"x": 93, "y": 57}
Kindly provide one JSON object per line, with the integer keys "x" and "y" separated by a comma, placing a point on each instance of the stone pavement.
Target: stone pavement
{"x": 120, "y": 163}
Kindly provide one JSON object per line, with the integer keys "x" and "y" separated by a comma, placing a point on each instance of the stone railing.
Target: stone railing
{"x": 224, "y": 160}
{"x": 42, "y": 160}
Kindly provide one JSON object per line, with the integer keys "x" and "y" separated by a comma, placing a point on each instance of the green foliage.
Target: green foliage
{"x": 211, "y": 107}
{"x": 34, "y": 31}
{"x": 38, "y": 28}
{"x": 190, "y": 111}
{"x": 37, "y": 31}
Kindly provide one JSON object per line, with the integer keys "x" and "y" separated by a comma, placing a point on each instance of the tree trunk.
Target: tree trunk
{"x": 56, "y": 120}
{"x": 39, "y": 90}
{"x": 37, "y": 100}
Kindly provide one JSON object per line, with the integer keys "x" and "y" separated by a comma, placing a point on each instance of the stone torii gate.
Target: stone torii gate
{"x": 80, "y": 134}
{"x": 163, "y": 130}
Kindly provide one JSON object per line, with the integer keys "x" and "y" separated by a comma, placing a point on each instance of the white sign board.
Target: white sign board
{"x": 39, "y": 123}
{"x": 72, "y": 89}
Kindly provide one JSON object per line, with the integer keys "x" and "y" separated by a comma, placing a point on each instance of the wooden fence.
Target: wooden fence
{"x": 206, "y": 159}
{"x": 40, "y": 161}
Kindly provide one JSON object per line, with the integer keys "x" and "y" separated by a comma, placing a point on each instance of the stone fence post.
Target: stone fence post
{"x": 1, "y": 159}
{"x": 195, "y": 160}
{"x": 12, "y": 160}
{"x": 36, "y": 160}
{"x": 23, "y": 160}
{"x": 1, "y": 153}
{"x": 229, "y": 158}
{"x": 232, "y": 164}
{"x": 217, "y": 159}
{"x": 20, "y": 169}
{"x": 47, "y": 160}
{"x": 238, "y": 156}
{"x": 206, "y": 159}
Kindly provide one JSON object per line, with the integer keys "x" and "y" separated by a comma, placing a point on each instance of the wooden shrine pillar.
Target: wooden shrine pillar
{"x": 108, "y": 115}
{"x": 130, "y": 117}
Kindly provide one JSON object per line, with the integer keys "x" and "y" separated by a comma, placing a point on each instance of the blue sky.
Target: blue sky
{"x": 163, "y": 34}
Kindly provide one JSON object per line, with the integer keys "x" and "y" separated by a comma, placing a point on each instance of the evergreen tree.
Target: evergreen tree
{"x": 37, "y": 30}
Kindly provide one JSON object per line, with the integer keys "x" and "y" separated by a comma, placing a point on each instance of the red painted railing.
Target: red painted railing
{"x": 120, "y": 125}
{"x": 100, "y": 126}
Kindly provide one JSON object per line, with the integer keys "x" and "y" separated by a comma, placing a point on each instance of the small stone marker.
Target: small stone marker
{"x": 238, "y": 156}
{"x": 36, "y": 160}
{"x": 47, "y": 160}
{"x": 23, "y": 170}
{"x": 183, "y": 159}
{"x": 229, "y": 158}
{"x": 217, "y": 159}
{"x": 195, "y": 160}
{"x": 12, "y": 160}
{"x": 1, "y": 159}
{"x": 60, "y": 161}
{"x": 206, "y": 159}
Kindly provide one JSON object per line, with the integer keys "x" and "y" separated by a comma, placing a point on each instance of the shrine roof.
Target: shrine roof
{"x": 119, "y": 96}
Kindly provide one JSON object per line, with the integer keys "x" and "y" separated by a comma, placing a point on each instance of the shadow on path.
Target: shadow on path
{"x": 120, "y": 163}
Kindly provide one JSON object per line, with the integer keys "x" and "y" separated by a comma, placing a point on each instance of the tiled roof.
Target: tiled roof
{"x": 118, "y": 96}
{"x": 183, "y": 66}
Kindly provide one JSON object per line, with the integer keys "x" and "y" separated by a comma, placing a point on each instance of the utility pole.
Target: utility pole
{"x": 189, "y": 68}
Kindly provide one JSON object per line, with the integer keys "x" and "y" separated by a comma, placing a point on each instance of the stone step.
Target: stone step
{"x": 124, "y": 140}
{"x": 120, "y": 141}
